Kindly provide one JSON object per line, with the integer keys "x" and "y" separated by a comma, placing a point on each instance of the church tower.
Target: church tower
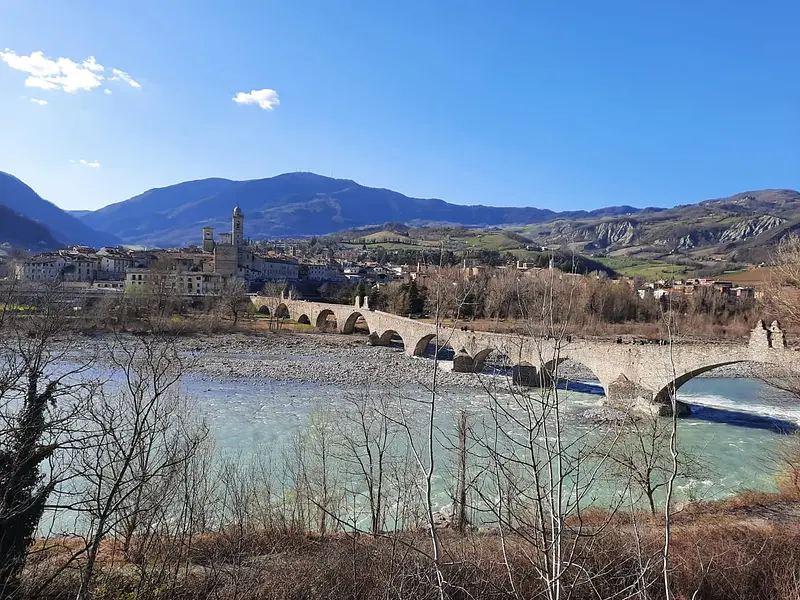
{"x": 237, "y": 231}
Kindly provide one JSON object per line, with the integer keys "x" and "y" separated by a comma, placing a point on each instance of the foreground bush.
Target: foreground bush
{"x": 718, "y": 553}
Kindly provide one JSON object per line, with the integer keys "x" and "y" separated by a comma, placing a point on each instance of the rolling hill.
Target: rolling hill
{"x": 293, "y": 204}
{"x": 744, "y": 227}
{"x": 67, "y": 229}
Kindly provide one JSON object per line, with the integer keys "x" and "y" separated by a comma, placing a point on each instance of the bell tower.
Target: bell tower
{"x": 208, "y": 239}
{"x": 237, "y": 228}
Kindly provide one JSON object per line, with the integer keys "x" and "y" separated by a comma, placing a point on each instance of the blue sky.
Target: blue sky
{"x": 549, "y": 104}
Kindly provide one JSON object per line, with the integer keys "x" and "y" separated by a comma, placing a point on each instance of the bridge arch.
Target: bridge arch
{"x": 480, "y": 358}
{"x": 303, "y": 319}
{"x": 422, "y": 344}
{"x": 323, "y": 320}
{"x": 282, "y": 311}
{"x": 663, "y": 395}
{"x": 352, "y": 319}
{"x": 263, "y": 310}
{"x": 389, "y": 336}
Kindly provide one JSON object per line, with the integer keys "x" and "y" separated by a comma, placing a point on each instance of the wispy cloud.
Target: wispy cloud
{"x": 267, "y": 99}
{"x": 107, "y": 91}
{"x": 39, "y": 102}
{"x": 62, "y": 73}
{"x": 86, "y": 163}
{"x": 123, "y": 76}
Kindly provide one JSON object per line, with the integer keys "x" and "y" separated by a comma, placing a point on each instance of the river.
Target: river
{"x": 736, "y": 426}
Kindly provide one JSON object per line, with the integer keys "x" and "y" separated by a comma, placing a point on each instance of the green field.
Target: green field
{"x": 650, "y": 270}
{"x": 496, "y": 241}
{"x": 490, "y": 241}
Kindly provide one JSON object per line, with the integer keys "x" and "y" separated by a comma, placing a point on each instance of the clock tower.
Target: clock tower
{"x": 237, "y": 230}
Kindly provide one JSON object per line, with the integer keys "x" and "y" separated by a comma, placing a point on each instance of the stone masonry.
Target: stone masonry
{"x": 629, "y": 373}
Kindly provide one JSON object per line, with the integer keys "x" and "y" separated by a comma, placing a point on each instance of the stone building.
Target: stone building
{"x": 179, "y": 282}
{"x": 233, "y": 258}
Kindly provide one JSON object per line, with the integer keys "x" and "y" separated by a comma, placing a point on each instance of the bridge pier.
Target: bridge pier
{"x": 629, "y": 396}
{"x": 464, "y": 363}
{"x": 525, "y": 375}
{"x": 377, "y": 340}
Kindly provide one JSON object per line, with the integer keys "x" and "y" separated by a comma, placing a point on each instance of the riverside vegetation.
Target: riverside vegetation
{"x": 112, "y": 488}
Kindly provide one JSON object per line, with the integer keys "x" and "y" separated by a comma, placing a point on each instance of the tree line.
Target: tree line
{"x": 589, "y": 304}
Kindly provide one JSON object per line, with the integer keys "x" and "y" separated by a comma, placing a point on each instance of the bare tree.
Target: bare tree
{"x": 233, "y": 301}
{"x": 368, "y": 436}
{"x": 784, "y": 288}
{"x": 161, "y": 295}
{"x": 641, "y": 460}
{"x": 271, "y": 295}
{"x": 537, "y": 480}
{"x": 143, "y": 435}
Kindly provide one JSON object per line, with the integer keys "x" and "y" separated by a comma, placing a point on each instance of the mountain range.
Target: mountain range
{"x": 290, "y": 205}
{"x": 28, "y": 221}
{"x": 739, "y": 227}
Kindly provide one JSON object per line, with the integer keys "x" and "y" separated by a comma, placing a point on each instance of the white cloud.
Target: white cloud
{"x": 86, "y": 163}
{"x": 62, "y": 73}
{"x": 267, "y": 99}
{"x": 123, "y": 76}
{"x": 38, "y": 82}
{"x": 39, "y": 102}
{"x": 107, "y": 91}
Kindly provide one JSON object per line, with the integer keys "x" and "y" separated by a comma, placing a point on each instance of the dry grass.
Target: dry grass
{"x": 729, "y": 550}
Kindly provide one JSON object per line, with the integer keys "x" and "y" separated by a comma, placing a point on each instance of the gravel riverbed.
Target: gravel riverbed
{"x": 338, "y": 359}
{"x": 316, "y": 358}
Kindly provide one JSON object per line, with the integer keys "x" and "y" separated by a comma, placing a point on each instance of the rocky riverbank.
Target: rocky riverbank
{"x": 316, "y": 358}
{"x": 346, "y": 360}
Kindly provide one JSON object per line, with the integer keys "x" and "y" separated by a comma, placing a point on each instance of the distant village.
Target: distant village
{"x": 204, "y": 269}
{"x": 196, "y": 271}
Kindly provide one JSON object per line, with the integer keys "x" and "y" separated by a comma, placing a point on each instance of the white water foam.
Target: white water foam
{"x": 782, "y": 411}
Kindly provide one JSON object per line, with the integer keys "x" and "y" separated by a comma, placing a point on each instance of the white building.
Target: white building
{"x": 320, "y": 272}
{"x": 276, "y": 270}
{"x": 44, "y": 267}
{"x": 183, "y": 283}
{"x": 113, "y": 260}
{"x": 80, "y": 268}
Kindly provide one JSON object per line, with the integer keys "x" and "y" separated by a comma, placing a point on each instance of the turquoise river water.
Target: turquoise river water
{"x": 736, "y": 425}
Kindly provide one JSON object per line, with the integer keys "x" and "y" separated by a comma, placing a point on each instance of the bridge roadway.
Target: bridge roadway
{"x": 631, "y": 374}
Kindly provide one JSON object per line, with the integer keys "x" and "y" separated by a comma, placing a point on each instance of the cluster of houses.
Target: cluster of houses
{"x": 205, "y": 269}
{"x": 664, "y": 288}
{"x": 195, "y": 271}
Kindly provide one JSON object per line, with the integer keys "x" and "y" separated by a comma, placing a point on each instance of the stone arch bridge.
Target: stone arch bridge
{"x": 640, "y": 374}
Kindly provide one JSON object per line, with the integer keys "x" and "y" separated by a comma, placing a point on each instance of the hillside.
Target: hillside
{"x": 740, "y": 229}
{"x": 293, "y": 204}
{"x": 22, "y": 232}
{"x": 743, "y": 227}
{"x": 20, "y": 198}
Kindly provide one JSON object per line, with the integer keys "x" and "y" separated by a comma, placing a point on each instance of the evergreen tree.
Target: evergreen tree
{"x": 23, "y": 490}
